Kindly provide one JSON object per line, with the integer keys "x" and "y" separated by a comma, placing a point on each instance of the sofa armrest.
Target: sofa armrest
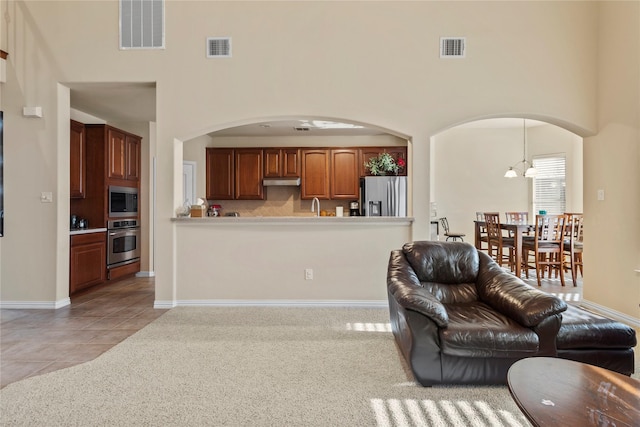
{"x": 404, "y": 286}
{"x": 511, "y": 296}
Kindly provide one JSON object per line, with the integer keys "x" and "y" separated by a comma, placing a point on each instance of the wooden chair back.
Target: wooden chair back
{"x": 547, "y": 246}
{"x": 517, "y": 217}
{"x": 497, "y": 243}
{"x": 549, "y": 230}
{"x": 494, "y": 232}
{"x": 574, "y": 227}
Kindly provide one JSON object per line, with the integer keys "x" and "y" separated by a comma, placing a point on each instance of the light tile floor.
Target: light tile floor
{"x": 33, "y": 342}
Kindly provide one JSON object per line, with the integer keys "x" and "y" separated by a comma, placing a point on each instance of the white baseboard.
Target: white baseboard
{"x": 146, "y": 274}
{"x": 164, "y": 304}
{"x": 38, "y": 305}
{"x": 613, "y": 314}
{"x": 272, "y": 303}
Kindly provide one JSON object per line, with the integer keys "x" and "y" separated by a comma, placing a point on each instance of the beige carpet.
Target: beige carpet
{"x": 252, "y": 367}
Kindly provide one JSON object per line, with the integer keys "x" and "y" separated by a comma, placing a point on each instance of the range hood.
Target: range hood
{"x": 281, "y": 182}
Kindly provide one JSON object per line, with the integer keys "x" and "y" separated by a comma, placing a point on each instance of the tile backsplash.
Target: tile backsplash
{"x": 279, "y": 201}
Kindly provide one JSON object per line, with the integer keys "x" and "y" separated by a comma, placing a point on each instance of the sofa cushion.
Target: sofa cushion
{"x": 443, "y": 262}
{"x": 583, "y": 329}
{"x": 452, "y": 294}
{"x": 476, "y": 330}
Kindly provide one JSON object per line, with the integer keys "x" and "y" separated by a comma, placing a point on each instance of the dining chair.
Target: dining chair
{"x": 449, "y": 234}
{"x": 546, "y": 247}
{"x": 497, "y": 243}
{"x": 572, "y": 245}
{"x": 483, "y": 232}
{"x": 517, "y": 218}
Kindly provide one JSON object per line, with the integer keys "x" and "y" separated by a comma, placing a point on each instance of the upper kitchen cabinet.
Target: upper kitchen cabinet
{"x": 78, "y": 164}
{"x": 117, "y": 151}
{"x": 124, "y": 155}
{"x": 344, "y": 174}
{"x": 398, "y": 152}
{"x": 315, "y": 174}
{"x": 281, "y": 162}
{"x": 132, "y": 158}
{"x": 248, "y": 179}
{"x": 234, "y": 174}
{"x": 220, "y": 167}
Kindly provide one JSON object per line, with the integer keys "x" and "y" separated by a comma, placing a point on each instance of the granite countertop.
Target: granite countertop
{"x": 87, "y": 231}
{"x": 313, "y": 220}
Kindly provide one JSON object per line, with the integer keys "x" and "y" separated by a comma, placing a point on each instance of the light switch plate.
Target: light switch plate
{"x": 600, "y": 194}
{"x": 46, "y": 197}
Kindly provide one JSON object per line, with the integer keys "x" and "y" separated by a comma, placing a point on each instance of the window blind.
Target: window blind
{"x": 549, "y": 185}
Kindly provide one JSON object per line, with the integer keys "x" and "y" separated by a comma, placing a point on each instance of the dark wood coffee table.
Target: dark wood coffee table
{"x": 558, "y": 392}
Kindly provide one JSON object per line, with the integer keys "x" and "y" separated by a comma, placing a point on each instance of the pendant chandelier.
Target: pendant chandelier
{"x": 523, "y": 167}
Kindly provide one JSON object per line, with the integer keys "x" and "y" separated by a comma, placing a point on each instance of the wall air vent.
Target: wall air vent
{"x": 301, "y": 128}
{"x": 141, "y": 24}
{"x": 452, "y": 47}
{"x": 219, "y": 47}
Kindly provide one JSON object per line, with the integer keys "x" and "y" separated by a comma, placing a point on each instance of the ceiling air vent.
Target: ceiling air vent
{"x": 452, "y": 47}
{"x": 219, "y": 47}
{"x": 301, "y": 129}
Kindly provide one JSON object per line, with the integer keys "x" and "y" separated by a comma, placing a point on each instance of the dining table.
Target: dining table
{"x": 516, "y": 229}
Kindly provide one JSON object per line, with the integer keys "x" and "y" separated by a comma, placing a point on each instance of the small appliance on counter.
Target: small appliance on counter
{"x": 214, "y": 210}
{"x": 354, "y": 209}
{"x": 78, "y": 223}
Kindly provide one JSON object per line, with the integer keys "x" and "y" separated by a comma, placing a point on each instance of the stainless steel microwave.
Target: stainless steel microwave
{"x": 123, "y": 201}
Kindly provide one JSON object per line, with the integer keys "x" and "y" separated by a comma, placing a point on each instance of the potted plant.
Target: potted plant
{"x": 384, "y": 164}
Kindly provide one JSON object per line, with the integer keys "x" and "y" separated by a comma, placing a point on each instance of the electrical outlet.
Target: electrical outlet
{"x": 308, "y": 274}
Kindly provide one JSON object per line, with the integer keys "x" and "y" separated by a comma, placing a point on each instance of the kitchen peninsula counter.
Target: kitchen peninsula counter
{"x": 297, "y": 220}
{"x": 292, "y": 260}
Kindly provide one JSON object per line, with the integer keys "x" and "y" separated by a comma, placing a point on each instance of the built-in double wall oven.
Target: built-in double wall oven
{"x": 123, "y": 240}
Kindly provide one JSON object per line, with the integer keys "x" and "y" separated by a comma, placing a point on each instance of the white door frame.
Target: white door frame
{"x": 189, "y": 179}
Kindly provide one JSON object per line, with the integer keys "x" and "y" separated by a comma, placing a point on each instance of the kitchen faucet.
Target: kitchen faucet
{"x": 313, "y": 204}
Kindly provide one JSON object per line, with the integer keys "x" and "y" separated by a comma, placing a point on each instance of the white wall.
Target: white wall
{"x": 612, "y": 164}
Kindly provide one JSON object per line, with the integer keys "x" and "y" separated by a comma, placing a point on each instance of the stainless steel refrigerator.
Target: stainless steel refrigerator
{"x": 383, "y": 195}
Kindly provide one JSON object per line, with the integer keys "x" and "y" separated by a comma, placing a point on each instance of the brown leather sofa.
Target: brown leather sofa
{"x": 458, "y": 318}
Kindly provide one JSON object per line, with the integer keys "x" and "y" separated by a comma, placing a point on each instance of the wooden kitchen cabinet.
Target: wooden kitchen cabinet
{"x": 345, "y": 179}
{"x": 117, "y": 152}
{"x": 220, "y": 166}
{"x": 124, "y": 155}
{"x": 234, "y": 174}
{"x": 315, "y": 174}
{"x": 248, "y": 174}
{"x": 281, "y": 162}
{"x": 132, "y": 158}
{"x": 78, "y": 163}
{"x": 88, "y": 257}
{"x": 112, "y": 158}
